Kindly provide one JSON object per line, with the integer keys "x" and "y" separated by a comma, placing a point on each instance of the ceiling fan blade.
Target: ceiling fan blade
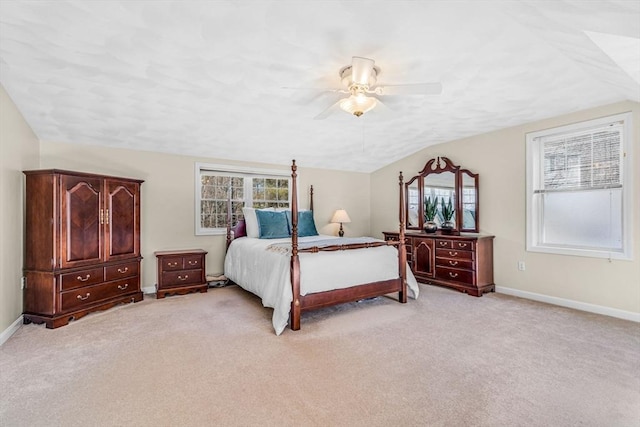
{"x": 329, "y": 111}
{"x": 409, "y": 89}
{"x": 361, "y": 70}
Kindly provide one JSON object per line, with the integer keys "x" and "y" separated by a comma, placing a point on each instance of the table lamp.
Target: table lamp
{"x": 340, "y": 216}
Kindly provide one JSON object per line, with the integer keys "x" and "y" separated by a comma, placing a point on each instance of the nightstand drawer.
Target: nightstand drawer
{"x": 181, "y": 278}
{"x": 192, "y": 262}
{"x": 172, "y": 263}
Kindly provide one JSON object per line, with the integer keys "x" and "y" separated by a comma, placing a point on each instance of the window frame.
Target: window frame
{"x": 227, "y": 170}
{"x": 535, "y": 168}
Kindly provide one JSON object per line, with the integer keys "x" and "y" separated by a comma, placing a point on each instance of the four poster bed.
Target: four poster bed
{"x": 293, "y": 269}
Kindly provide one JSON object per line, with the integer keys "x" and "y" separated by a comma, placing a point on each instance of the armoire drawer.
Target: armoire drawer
{"x": 81, "y": 278}
{"x": 87, "y": 295}
{"x": 121, "y": 271}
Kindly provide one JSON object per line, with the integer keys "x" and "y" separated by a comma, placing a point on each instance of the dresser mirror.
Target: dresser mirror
{"x": 441, "y": 180}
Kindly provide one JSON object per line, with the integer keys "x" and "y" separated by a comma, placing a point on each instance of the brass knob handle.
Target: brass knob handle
{"x": 453, "y": 253}
{"x": 82, "y": 298}
{"x": 172, "y": 264}
{"x": 120, "y": 270}
{"x": 122, "y": 288}
{"x": 462, "y": 245}
{"x": 186, "y": 276}
{"x": 443, "y": 243}
{"x": 454, "y": 275}
{"x": 193, "y": 262}
{"x": 83, "y": 279}
{"x": 453, "y": 262}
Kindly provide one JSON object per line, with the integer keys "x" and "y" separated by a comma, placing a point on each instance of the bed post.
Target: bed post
{"x": 294, "y": 321}
{"x": 402, "y": 250}
{"x": 311, "y": 198}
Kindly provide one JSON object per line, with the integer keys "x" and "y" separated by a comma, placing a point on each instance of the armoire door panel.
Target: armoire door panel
{"x": 80, "y": 218}
{"x": 123, "y": 207}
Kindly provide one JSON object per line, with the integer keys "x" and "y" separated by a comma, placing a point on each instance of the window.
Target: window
{"x": 579, "y": 196}
{"x": 216, "y": 184}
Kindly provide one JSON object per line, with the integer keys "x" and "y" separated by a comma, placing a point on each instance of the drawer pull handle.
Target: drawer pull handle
{"x": 83, "y": 279}
{"x": 82, "y": 298}
{"x": 453, "y": 253}
{"x": 453, "y": 262}
{"x": 172, "y": 264}
{"x": 462, "y": 245}
{"x": 122, "y": 288}
{"x": 454, "y": 275}
{"x": 186, "y": 276}
{"x": 193, "y": 262}
{"x": 443, "y": 243}
{"x": 120, "y": 270}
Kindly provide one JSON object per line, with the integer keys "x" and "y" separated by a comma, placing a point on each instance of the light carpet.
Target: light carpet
{"x": 446, "y": 359}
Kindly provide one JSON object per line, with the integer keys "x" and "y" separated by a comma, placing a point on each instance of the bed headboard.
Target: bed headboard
{"x": 240, "y": 228}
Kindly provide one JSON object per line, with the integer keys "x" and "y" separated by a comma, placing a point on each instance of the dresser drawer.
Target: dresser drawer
{"x": 464, "y": 276}
{"x": 121, "y": 271}
{"x": 464, "y": 264}
{"x": 78, "y": 298}
{"x": 181, "y": 278}
{"x": 82, "y": 278}
{"x": 444, "y": 244}
{"x": 454, "y": 253}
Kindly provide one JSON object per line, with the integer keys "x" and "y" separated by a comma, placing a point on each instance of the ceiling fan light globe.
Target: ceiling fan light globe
{"x": 358, "y": 104}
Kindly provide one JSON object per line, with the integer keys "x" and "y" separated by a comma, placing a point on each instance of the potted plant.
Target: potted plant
{"x": 447, "y": 211}
{"x": 430, "y": 210}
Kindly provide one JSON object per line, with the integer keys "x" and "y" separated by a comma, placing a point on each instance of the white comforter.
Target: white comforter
{"x": 265, "y": 272}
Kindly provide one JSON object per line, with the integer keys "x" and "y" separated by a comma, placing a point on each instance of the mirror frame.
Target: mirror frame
{"x": 436, "y": 166}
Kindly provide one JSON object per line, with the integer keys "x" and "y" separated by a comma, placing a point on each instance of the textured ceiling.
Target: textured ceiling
{"x": 215, "y": 78}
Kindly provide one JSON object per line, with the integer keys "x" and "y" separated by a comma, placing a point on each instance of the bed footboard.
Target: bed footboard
{"x": 313, "y": 301}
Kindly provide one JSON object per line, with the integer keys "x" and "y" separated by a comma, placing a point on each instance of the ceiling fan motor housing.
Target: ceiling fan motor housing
{"x": 347, "y": 80}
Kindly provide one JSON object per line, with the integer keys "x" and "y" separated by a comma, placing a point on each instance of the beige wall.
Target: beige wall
{"x": 370, "y": 200}
{"x": 18, "y": 152}
{"x": 499, "y": 158}
{"x": 168, "y": 207}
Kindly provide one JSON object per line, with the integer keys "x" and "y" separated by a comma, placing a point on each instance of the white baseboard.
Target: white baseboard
{"x": 6, "y": 334}
{"x": 591, "y": 308}
{"x": 148, "y": 290}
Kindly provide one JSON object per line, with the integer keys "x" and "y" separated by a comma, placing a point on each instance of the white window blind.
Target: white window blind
{"x": 578, "y": 198}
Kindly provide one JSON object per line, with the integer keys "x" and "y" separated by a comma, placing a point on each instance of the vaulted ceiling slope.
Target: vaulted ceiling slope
{"x": 239, "y": 79}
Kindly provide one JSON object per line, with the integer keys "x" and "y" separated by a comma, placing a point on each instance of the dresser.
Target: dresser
{"x": 181, "y": 272}
{"x": 82, "y": 244}
{"x": 463, "y": 262}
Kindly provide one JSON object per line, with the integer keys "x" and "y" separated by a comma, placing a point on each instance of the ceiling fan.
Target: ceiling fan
{"x": 360, "y": 80}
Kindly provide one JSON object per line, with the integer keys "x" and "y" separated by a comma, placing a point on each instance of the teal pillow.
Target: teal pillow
{"x": 306, "y": 224}
{"x": 272, "y": 225}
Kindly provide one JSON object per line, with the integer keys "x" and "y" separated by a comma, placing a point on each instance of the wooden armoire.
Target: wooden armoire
{"x": 82, "y": 244}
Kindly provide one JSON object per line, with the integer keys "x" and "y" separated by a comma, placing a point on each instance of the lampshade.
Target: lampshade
{"x": 341, "y": 216}
{"x": 358, "y": 104}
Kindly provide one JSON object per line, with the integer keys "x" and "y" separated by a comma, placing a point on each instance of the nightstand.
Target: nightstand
{"x": 181, "y": 272}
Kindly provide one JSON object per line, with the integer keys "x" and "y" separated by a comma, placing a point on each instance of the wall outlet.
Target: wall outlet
{"x": 521, "y": 265}
{"x": 23, "y": 282}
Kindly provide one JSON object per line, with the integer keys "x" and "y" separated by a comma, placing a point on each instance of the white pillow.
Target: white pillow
{"x": 251, "y": 221}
